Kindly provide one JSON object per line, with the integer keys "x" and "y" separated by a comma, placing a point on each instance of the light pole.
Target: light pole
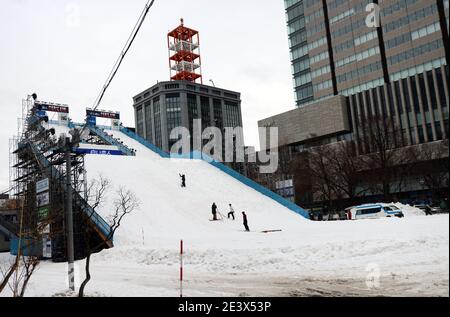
{"x": 69, "y": 216}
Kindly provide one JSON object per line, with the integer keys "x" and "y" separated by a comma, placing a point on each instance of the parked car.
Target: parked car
{"x": 374, "y": 211}
{"x": 429, "y": 210}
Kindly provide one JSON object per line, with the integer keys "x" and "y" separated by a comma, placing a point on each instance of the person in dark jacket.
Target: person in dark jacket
{"x": 183, "y": 180}
{"x": 214, "y": 211}
{"x": 244, "y": 216}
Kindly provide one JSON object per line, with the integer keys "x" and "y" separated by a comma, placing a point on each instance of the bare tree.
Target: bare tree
{"x": 382, "y": 156}
{"x": 346, "y": 164}
{"x": 435, "y": 176}
{"x": 125, "y": 203}
{"x": 323, "y": 182}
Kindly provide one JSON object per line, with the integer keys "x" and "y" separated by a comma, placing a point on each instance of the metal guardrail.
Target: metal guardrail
{"x": 8, "y": 228}
{"x": 102, "y": 134}
{"x": 241, "y": 178}
{"x": 101, "y": 224}
{"x": 144, "y": 142}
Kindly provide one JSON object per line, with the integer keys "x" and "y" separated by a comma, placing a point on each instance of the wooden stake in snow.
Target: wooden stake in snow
{"x": 181, "y": 268}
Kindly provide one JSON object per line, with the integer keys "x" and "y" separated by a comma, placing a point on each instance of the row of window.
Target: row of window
{"x": 416, "y": 51}
{"x": 356, "y": 42}
{"x": 297, "y": 38}
{"x": 300, "y": 65}
{"x": 409, "y": 19}
{"x": 319, "y": 57}
{"x": 321, "y": 71}
{"x": 304, "y": 94}
{"x": 425, "y": 120}
{"x": 418, "y": 69}
{"x": 315, "y": 29}
{"x": 349, "y": 28}
{"x": 296, "y": 25}
{"x": 290, "y": 3}
{"x": 359, "y": 72}
{"x": 318, "y": 43}
{"x": 299, "y": 52}
{"x": 359, "y": 56}
{"x": 397, "y": 6}
{"x": 365, "y": 86}
{"x": 302, "y": 79}
{"x": 323, "y": 85}
{"x": 410, "y": 36}
{"x": 294, "y": 12}
{"x": 342, "y": 16}
{"x": 422, "y": 32}
{"x": 315, "y": 15}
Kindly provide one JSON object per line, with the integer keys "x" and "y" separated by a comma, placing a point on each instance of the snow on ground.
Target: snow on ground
{"x": 409, "y": 211}
{"x": 307, "y": 258}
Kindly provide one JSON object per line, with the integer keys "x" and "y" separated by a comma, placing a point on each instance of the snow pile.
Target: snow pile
{"x": 409, "y": 211}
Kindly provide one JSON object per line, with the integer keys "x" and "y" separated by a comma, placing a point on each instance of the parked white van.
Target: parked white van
{"x": 374, "y": 211}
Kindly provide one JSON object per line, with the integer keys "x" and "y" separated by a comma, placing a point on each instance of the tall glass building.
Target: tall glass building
{"x": 337, "y": 50}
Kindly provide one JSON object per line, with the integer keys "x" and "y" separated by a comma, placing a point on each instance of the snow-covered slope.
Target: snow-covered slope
{"x": 170, "y": 212}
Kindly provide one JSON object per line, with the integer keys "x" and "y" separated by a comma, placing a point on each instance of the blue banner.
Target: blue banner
{"x": 98, "y": 152}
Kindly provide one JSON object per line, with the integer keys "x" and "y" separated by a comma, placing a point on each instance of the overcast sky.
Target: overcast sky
{"x": 63, "y": 50}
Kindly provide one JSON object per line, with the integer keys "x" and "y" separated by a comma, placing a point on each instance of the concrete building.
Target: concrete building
{"x": 417, "y": 105}
{"x": 335, "y": 52}
{"x": 167, "y": 105}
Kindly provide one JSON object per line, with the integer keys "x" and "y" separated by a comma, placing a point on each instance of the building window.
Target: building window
{"x": 173, "y": 106}
{"x": 157, "y": 119}
{"x": 192, "y": 111}
{"x": 140, "y": 121}
{"x": 172, "y": 86}
{"x": 206, "y": 112}
{"x": 232, "y": 114}
{"x": 218, "y": 117}
{"x": 149, "y": 121}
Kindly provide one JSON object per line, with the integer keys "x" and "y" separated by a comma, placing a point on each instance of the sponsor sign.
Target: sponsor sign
{"x": 52, "y": 108}
{"x": 43, "y": 213}
{"x": 102, "y": 114}
{"x": 43, "y": 199}
{"x": 42, "y": 185}
{"x": 91, "y": 120}
{"x": 97, "y": 152}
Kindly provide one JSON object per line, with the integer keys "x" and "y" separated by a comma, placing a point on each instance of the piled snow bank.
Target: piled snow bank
{"x": 409, "y": 211}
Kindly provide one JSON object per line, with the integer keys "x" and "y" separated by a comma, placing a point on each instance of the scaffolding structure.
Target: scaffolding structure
{"x": 37, "y": 155}
{"x": 184, "y": 54}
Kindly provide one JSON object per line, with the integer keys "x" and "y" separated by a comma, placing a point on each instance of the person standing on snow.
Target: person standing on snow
{"x": 183, "y": 180}
{"x": 231, "y": 213}
{"x": 245, "y": 222}
{"x": 214, "y": 211}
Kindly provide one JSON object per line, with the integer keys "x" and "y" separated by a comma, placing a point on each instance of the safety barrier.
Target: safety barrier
{"x": 102, "y": 134}
{"x": 144, "y": 142}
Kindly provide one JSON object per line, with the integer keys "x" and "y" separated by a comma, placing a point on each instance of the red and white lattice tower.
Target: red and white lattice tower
{"x": 184, "y": 54}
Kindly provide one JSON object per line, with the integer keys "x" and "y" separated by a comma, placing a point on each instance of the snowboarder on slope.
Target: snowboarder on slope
{"x": 183, "y": 180}
{"x": 245, "y": 222}
{"x": 214, "y": 211}
{"x": 231, "y": 213}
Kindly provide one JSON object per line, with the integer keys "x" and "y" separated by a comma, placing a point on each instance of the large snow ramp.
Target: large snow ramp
{"x": 168, "y": 211}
